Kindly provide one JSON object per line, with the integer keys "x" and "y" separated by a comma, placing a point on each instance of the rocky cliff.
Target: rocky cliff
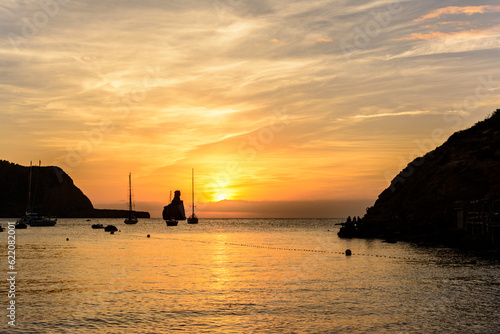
{"x": 422, "y": 198}
{"x": 52, "y": 193}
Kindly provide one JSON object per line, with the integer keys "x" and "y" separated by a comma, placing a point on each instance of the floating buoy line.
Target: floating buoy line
{"x": 347, "y": 252}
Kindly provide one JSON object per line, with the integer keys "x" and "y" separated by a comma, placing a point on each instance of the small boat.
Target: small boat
{"x": 36, "y": 219}
{"x": 96, "y": 226}
{"x": 174, "y": 212}
{"x": 171, "y": 222}
{"x": 31, "y": 217}
{"x": 46, "y": 221}
{"x": 20, "y": 226}
{"x": 192, "y": 219}
{"x": 110, "y": 228}
{"x": 131, "y": 219}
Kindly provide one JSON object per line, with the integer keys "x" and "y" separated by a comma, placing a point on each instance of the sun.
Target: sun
{"x": 222, "y": 194}
{"x": 220, "y": 197}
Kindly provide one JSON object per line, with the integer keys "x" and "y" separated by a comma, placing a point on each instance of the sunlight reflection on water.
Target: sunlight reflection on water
{"x": 240, "y": 276}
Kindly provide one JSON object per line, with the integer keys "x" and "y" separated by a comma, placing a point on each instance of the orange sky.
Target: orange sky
{"x": 322, "y": 102}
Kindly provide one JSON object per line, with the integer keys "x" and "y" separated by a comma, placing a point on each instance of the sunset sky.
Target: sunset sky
{"x": 283, "y": 108}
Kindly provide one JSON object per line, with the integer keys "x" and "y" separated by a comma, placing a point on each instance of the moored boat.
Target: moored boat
{"x": 192, "y": 219}
{"x": 171, "y": 222}
{"x": 31, "y": 217}
{"x": 110, "y": 228}
{"x": 131, "y": 219}
{"x": 20, "y": 226}
{"x": 36, "y": 219}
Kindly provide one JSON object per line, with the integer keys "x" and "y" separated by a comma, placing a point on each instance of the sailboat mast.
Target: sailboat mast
{"x": 130, "y": 193}
{"x": 36, "y": 184}
{"x": 132, "y": 219}
{"x": 29, "y": 187}
{"x": 192, "y": 189}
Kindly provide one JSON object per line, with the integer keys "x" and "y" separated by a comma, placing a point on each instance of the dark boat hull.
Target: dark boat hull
{"x": 171, "y": 222}
{"x": 110, "y": 228}
{"x": 42, "y": 223}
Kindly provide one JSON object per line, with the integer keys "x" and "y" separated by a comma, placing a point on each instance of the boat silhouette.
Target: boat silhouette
{"x": 131, "y": 219}
{"x": 192, "y": 219}
{"x": 33, "y": 217}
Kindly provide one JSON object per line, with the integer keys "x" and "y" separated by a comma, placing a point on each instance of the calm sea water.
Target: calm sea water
{"x": 241, "y": 276}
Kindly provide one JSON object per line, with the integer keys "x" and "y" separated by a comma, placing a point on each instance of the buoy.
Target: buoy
{"x": 348, "y": 252}
{"x": 148, "y": 235}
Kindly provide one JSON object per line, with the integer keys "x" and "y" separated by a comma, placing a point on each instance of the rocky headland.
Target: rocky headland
{"x": 52, "y": 193}
{"x": 449, "y": 196}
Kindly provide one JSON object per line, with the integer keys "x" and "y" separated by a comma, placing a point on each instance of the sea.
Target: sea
{"x": 237, "y": 276}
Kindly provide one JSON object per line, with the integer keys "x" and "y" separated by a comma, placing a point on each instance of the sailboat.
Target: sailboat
{"x": 31, "y": 217}
{"x": 131, "y": 219}
{"x": 192, "y": 219}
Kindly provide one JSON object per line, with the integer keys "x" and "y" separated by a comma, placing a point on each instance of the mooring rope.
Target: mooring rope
{"x": 290, "y": 249}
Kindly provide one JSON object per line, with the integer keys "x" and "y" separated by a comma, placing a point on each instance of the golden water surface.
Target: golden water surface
{"x": 241, "y": 276}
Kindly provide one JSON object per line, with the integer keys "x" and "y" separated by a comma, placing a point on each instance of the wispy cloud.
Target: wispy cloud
{"x": 438, "y": 34}
{"x": 445, "y": 43}
{"x": 395, "y": 114}
{"x": 455, "y": 10}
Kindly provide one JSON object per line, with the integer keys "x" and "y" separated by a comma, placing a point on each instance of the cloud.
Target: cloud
{"x": 443, "y": 43}
{"x": 455, "y": 10}
{"x": 438, "y": 34}
{"x": 402, "y": 113}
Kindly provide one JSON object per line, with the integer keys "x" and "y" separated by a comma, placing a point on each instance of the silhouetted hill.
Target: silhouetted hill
{"x": 421, "y": 199}
{"x": 52, "y": 192}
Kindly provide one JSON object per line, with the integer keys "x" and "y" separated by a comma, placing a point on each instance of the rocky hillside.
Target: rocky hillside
{"x": 52, "y": 192}
{"x": 421, "y": 199}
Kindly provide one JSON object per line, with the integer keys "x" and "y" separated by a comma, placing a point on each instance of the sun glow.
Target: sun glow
{"x": 220, "y": 197}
